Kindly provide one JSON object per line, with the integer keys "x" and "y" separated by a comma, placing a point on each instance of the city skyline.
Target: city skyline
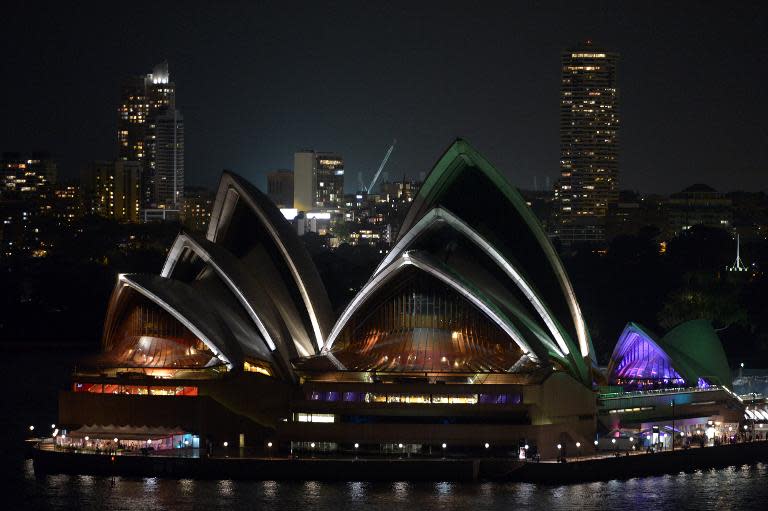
{"x": 419, "y": 75}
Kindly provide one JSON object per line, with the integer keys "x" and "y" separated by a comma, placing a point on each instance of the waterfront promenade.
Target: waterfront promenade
{"x": 395, "y": 469}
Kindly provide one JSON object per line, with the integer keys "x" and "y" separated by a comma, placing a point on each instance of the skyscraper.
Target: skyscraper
{"x": 166, "y": 159}
{"x": 589, "y": 125}
{"x": 318, "y": 180}
{"x": 150, "y": 131}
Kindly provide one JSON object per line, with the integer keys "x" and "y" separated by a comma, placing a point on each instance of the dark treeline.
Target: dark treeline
{"x": 635, "y": 281}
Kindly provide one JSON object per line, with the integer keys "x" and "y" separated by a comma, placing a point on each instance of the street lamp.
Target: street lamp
{"x": 673, "y": 424}
{"x": 31, "y": 428}
{"x": 487, "y": 445}
{"x": 444, "y": 446}
{"x": 578, "y": 447}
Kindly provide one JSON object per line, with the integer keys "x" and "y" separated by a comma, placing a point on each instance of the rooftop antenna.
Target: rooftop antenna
{"x": 737, "y": 264}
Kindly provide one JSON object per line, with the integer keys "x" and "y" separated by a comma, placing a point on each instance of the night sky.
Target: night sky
{"x": 258, "y": 80}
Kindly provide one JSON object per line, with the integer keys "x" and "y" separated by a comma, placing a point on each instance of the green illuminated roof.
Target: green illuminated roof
{"x": 696, "y": 352}
{"x": 466, "y": 184}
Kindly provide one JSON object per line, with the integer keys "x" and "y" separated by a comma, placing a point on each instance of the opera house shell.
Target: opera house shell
{"x": 467, "y": 336}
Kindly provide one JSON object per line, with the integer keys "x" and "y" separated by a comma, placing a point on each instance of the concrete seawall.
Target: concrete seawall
{"x": 640, "y": 465}
{"x": 491, "y": 469}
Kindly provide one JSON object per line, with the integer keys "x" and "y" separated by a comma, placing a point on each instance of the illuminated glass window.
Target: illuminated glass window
{"x": 315, "y": 417}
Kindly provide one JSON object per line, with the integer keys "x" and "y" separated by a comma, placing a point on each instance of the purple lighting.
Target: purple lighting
{"x": 640, "y": 363}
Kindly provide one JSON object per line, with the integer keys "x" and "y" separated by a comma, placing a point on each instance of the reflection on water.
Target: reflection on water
{"x": 740, "y": 488}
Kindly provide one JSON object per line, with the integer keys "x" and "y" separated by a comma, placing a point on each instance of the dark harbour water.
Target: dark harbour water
{"x": 738, "y": 488}
{"x": 31, "y": 382}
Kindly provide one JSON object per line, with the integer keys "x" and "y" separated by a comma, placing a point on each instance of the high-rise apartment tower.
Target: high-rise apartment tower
{"x": 150, "y": 131}
{"x": 589, "y": 126}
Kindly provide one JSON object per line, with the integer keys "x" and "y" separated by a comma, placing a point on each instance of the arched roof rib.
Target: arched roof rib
{"x": 250, "y": 294}
{"x": 247, "y": 291}
{"x": 453, "y": 177}
{"x": 234, "y": 190}
{"x": 693, "y": 350}
{"x": 630, "y": 336}
{"x": 440, "y": 215}
{"x": 424, "y": 263}
{"x": 182, "y": 303}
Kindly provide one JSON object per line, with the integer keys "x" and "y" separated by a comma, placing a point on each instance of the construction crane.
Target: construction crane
{"x": 381, "y": 167}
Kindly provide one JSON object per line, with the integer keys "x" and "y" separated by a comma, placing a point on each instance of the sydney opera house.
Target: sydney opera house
{"x": 466, "y": 339}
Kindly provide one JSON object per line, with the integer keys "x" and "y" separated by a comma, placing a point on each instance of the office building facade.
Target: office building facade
{"x": 112, "y": 189}
{"x": 318, "y": 180}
